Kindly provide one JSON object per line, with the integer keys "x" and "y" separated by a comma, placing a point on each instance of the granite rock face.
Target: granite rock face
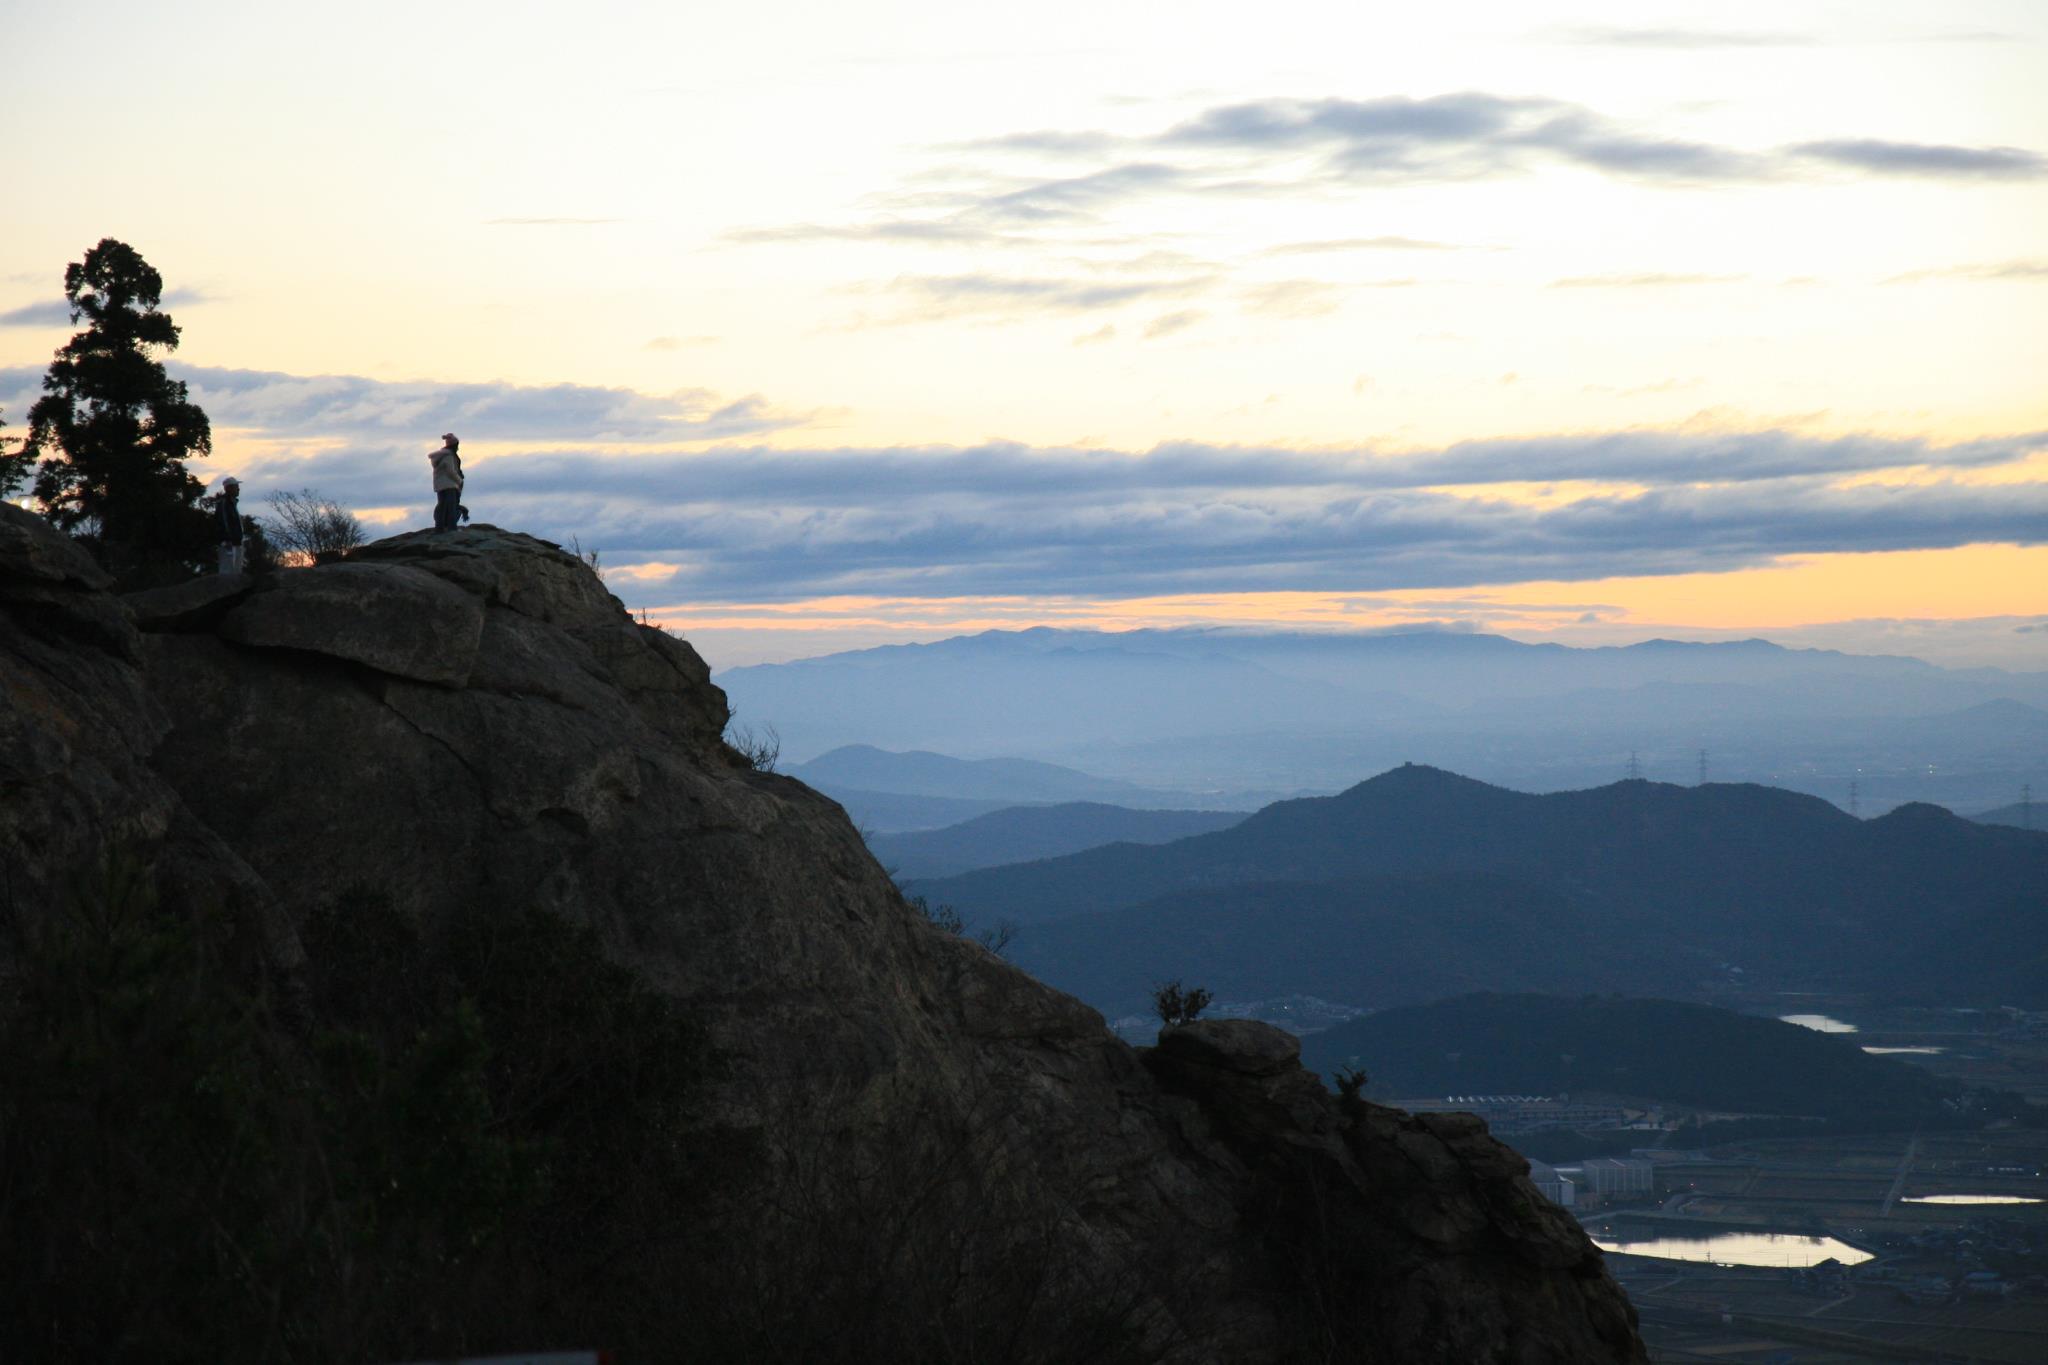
{"x": 470, "y": 718}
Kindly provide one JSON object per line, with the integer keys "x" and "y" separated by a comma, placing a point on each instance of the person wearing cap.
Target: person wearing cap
{"x": 227, "y": 515}
{"x": 447, "y": 465}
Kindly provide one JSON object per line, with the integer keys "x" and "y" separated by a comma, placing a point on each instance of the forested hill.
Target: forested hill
{"x": 1653, "y": 1049}
{"x": 1769, "y": 880}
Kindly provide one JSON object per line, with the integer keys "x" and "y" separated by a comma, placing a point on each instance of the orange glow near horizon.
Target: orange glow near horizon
{"x": 1959, "y": 584}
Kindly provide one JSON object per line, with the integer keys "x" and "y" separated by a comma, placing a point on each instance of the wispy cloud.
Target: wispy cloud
{"x": 1926, "y": 160}
{"x": 947, "y": 296}
{"x": 1281, "y": 146}
{"x": 1991, "y": 270}
{"x": 1350, "y": 244}
{"x": 1293, "y": 298}
{"x": 1642, "y": 280}
{"x": 343, "y": 407}
{"x": 1687, "y": 39}
{"x": 53, "y": 313}
{"x": 893, "y": 231}
{"x": 1166, "y": 324}
{"x": 57, "y": 312}
{"x": 550, "y": 222}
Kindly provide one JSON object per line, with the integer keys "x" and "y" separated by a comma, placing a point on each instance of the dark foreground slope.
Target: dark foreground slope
{"x": 1786, "y": 886}
{"x": 462, "y": 847}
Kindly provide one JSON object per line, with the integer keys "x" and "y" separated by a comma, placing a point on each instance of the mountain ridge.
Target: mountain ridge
{"x": 1782, "y": 884}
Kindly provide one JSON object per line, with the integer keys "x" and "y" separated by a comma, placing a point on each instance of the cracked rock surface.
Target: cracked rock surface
{"x": 471, "y": 718}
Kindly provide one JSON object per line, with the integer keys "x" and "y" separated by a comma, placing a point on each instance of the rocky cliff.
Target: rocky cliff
{"x": 470, "y": 720}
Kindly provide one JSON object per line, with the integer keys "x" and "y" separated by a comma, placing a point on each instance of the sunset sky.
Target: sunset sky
{"x": 830, "y": 324}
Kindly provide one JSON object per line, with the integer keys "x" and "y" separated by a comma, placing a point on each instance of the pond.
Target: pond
{"x": 1820, "y": 1023}
{"x": 1734, "y": 1248}
{"x": 1969, "y": 1199}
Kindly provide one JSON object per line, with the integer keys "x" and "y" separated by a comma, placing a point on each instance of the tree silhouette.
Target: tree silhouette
{"x": 114, "y": 429}
{"x": 15, "y": 467}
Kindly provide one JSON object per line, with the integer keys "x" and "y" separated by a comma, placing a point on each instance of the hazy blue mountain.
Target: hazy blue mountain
{"x": 1022, "y": 833}
{"x": 997, "y": 693}
{"x": 1217, "y": 710}
{"x": 920, "y": 773}
{"x": 1785, "y": 886}
{"x": 2020, "y": 815}
{"x": 1652, "y": 1049}
{"x": 893, "y": 812}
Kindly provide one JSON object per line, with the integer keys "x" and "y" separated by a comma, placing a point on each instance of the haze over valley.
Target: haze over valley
{"x": 1237, "y": 718}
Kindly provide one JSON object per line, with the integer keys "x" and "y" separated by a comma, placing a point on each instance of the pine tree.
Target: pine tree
{"x": 115, "y": 429}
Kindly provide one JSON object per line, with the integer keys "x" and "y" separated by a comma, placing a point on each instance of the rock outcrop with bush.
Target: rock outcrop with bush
{"x": 401, "y": 964}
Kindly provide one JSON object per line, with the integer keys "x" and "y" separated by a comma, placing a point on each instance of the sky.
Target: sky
{"x": 826, "y": 325}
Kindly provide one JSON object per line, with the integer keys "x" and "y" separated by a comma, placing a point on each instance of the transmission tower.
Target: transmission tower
{"x": 1703, "y": 767}
{"x": 1854, "y": 806}
{"x": 2027, "y": 805}
{"x": 1635, "y": 769}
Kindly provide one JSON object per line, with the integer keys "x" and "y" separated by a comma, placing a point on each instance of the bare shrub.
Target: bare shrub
{"x": 303, "y": 526}
{"x": 942, "y": 916}
{"x": 760, "y": 750}
{"x": 1176, "y": 1004}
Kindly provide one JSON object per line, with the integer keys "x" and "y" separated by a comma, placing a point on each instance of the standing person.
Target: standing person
{"x": 447, "y": 482}
{"x": 227, "y": 516}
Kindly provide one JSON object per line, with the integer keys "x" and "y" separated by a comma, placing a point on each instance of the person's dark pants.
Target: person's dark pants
{"x": 447, "y": 505}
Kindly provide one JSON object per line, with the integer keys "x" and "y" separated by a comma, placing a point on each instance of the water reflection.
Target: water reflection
{"x": 1910, "y": 1051}
{"x": 1969, "y": 1199}
{"x": 1820, "y": 1023}
{"x": 1737, "y": 1248}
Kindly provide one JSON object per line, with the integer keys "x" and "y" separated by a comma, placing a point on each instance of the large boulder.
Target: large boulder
{"x": 390, "y": 617}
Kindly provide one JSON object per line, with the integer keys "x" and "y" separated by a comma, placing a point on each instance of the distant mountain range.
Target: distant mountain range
{"x": 1420, "y": 883}
{"x": 1660, "y": 1050}
{"x": 921, "y": 773}
{"x": 887, "y": 792}
{"x": 1218, "y": 711}
{"x": 1024, "y": 833}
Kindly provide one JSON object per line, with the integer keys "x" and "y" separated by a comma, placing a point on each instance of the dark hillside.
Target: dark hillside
{"x": 1376, "y": 942}
{"x": 400, "y": 965}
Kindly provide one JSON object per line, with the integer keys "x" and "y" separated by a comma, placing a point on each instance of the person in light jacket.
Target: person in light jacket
{"x": 447, "y": 466}
{"x": 227, "y": 518}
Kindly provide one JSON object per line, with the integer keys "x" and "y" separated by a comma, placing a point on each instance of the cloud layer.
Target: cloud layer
{"x": 730, "y": 524}
{"x": 759, "y": 524}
